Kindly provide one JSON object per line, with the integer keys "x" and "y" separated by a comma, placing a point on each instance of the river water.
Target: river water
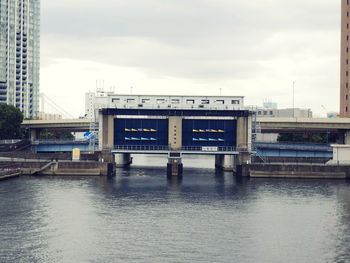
{"x": 141, "y": 216}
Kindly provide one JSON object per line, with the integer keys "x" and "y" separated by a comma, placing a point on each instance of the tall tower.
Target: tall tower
{"x": 19, "y": 55}
{"x": 344, "y": 59}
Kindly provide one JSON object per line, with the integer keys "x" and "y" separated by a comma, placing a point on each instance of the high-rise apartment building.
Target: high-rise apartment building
{"x": 20, "y": 54}
{"x": 344, "y": 59}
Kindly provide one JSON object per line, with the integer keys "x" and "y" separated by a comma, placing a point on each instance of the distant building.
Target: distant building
{"x": 95, "y": 101}
{"x": 49, "y": 116}
{"x": 270, "y": 105}
{"x": 19, "y": 55}
{"x": 284, "y": 113}
{"x": 344, "y": 60}
{"x": 332, "y": 115}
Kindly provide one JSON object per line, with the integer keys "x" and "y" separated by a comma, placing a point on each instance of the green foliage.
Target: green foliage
{"x": 56, "y": 135}
{"x": 10, "y": 122}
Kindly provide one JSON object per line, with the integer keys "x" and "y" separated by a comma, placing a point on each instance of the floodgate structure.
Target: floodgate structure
{"x": 176, "y": 125}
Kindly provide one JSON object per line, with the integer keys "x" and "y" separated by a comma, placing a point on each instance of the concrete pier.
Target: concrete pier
{"x": 122, "y": 160}
{"x": 174, "y": 166}
{"x": 225, "y": 162}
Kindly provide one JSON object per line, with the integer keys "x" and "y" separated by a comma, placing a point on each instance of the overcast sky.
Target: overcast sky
{"x": 253, "y": 48}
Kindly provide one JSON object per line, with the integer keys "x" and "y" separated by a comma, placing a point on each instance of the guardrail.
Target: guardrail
{"x": 9, "y": 141}
{"x": 37, "y": 142}
{"x": 167, "y": 148}
{"x": 140, "y": 148}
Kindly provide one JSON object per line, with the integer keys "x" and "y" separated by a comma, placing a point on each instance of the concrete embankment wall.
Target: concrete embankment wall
{"x": 50, "y": 156}
{"x": 296, "y": 171}
{"x": 60, "y": 168}
{"x": 4, "y": 175}
{"x": 77, "y": 168}
{"x": 308, "y": 160}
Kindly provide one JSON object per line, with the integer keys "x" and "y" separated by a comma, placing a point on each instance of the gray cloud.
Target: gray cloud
{"x": 201, "y": 40}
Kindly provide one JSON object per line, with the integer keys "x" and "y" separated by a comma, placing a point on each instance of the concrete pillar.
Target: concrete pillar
{"x": 174, "y": 166}
{"x": 122, "y": 160}
{"x": 347, "y": 137}
{"x": 244, "y": 140}
{"x": 175, "y": 133}
{"x": 34, "y": 134}
{"x": 225, "y": 162}
{"x": 242, "y": 134}
{"x": 106, "y": 131}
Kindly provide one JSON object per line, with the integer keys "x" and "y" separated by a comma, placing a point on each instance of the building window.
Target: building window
{"x": 347, "y": 85}
{"x": 145, "y": 101}
{"x": 346, "y": 109}
{"x": 205, "y": 102}
{"x": 189, "y": 101}
{"x": 347, "y": 97}
{"x": 219, "y": 102}
{"x": 160, "y": 101}
{"x": 130, "y": 100}
{"x": 235, "y": 102}
{"x": 175, "y": 101}
{"x": 347, "y": 62}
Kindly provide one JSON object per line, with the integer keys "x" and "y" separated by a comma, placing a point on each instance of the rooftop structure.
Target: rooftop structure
{"x": 99, "y": 100}
{"x": 176, "y": 102}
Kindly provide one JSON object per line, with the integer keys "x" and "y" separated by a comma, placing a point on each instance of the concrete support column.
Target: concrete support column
{"x": 175, "y": 133}
{"x": 174, "y": 166}
{"x": 106, "y": 134}
{"x": 244, "y": 140}
{"x": 347, "y": 137}
{"x": 242, "y": 134}
{"x": 122, "y": 160}
{"x": 225, "y": 162}
{"x": 34, "y": 134}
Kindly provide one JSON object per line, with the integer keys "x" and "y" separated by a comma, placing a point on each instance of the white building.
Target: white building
{"x": 95, "y": 101}
{"x": 100, "y": 100}
{"x": 284, "y": 113}
{"x": 19, "y": 54}
{"x": 176, "y": 102}
{"x": 49, "y": 116}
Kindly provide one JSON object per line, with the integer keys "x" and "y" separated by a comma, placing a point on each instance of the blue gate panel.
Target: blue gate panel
{"x": 140, "y": 132}
{"x": 209, "y": 133}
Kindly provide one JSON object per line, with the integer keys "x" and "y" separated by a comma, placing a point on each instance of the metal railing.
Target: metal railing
{"x": 55, "y": 141}
{"x": 167, "y": 148}
{"x": 9, "y": 141}
{"x": 141, "y": 148}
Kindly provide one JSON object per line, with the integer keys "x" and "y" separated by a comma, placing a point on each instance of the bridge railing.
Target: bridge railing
{"x": 9, "y": 141}
{"x": 141, "y": 147}
{"x": 167, "y": 148}
{"x": 56, "y": 141}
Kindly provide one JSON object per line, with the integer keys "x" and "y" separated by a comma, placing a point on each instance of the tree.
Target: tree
{"x": 10, "y": 122}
